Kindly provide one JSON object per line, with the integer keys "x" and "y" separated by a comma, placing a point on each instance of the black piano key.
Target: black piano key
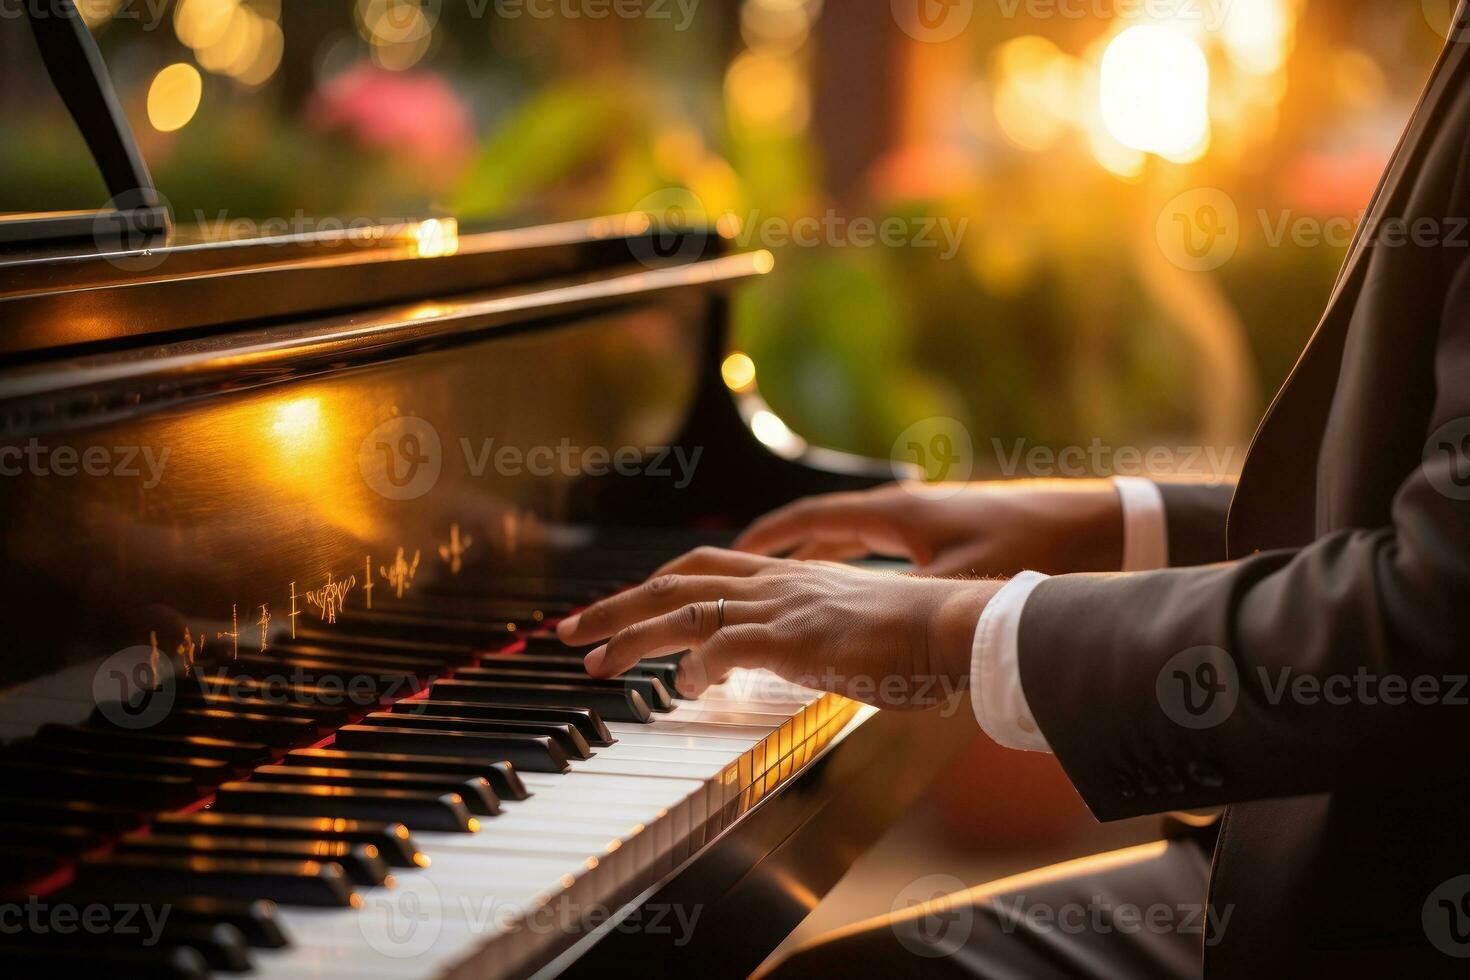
{"x": 585, "y": 720}
{"x": 22, "y": 863}
{"x": 56, "y": 838}
{"x": 323, "y": 716}
{"x": 324, "y": 673}
{"x": 651, "y": 688}
{"x": 410, "y": 659}
{"x": 393, "y": 841}
{"x": 221, "y": 945}
{"x": 312, "y": 883}
{"x": 566, "y": 736}
{"x": 481, "y": 608}
{"x": 104, "y": 818}
{"x": 667, "y": 673}
{"x": 613, "y": 704}
{"x": 256, "y": 919}
{"x": 433, "y": 628}
{"x": 279, "y": 690}
{"x": 204, "y": 772}
{"x": 550, "y": 645}
{"x": 362, "y": 862}
{"x": 479, "y": 798}
{"x": 349, "y": 639}
{"x": 238, "y": 724}
{"x": 135, "y": 790}
{"x": 500, "y": 774}
{"x": 113, "y": 962}
{"x": 444, "y": 812}
{"x": 243, "y": 755}
{"x": 531, "y": 753}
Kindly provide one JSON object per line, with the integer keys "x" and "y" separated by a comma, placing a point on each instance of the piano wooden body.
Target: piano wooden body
{"x": 391, "y": 457}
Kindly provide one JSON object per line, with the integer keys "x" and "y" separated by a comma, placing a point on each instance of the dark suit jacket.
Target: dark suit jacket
{"x": 1346, "y": 554}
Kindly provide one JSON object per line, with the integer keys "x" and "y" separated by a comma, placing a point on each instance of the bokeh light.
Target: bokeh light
{"x": 1154, "y": 91}
{"x": 174, "y": 96}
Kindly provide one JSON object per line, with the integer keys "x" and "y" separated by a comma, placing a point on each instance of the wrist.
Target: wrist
{"x": 952, "y": 629}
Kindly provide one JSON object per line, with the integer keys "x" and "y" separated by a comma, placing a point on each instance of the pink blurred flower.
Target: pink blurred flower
{"x": 414, "y": 115}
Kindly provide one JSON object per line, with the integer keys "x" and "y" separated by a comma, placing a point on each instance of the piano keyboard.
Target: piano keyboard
{"x": 455, "y": 806}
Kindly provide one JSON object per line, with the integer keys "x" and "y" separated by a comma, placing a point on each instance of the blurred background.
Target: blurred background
{"x": 1106, "y": 222}
{"x": 1029, "y": 151}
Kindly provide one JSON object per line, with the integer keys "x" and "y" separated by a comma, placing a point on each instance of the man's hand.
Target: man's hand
{"x": 897, "y": 641}
{"x": 1051, "y": 526}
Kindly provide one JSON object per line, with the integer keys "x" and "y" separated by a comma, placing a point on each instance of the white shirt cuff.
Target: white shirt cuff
{"x": 1145, "y": 534}
{"x": 995, "y": 669}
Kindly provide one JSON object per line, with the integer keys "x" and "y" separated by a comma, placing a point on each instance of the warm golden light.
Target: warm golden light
{"x": 738, "y": 370}
{"x": 770, "y": 430}
{"x": 174, "y": 96}
{"x": 435, "y": 237}
{"x": 1037, "y": 91}
{"x": 297, "y": 422}
{"x": 201, "y": 23}
{"x": 400, "y": 31}
{"x": 767, "y": 91}
{"x": 1154, "y": 89}
{"x": 1258, "y": 34}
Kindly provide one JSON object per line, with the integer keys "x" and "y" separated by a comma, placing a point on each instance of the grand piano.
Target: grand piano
{"x": 284, "y": 524}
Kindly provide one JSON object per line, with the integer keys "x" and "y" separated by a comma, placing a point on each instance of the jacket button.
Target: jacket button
{"x": 1126, "y": 789}
{"x": 1206, "y": 774}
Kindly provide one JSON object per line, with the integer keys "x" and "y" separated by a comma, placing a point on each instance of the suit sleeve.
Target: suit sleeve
{"x": 1333, "y": 667}
{"x": 1194, "y": 516}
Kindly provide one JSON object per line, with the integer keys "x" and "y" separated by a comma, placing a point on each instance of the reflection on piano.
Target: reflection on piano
{"x": 283, "y": 526}
{"x": 293, "y": 681}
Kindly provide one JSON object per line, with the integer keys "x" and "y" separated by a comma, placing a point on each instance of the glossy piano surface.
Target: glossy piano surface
{"x": 399, "y": 487}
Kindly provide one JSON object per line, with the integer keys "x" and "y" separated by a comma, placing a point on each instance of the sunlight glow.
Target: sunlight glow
{"x": 1154, "y": 89}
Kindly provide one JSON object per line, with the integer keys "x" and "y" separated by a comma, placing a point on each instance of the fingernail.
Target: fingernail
{"x": 593, "y": 661}
{"x": 568, "y": 626}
